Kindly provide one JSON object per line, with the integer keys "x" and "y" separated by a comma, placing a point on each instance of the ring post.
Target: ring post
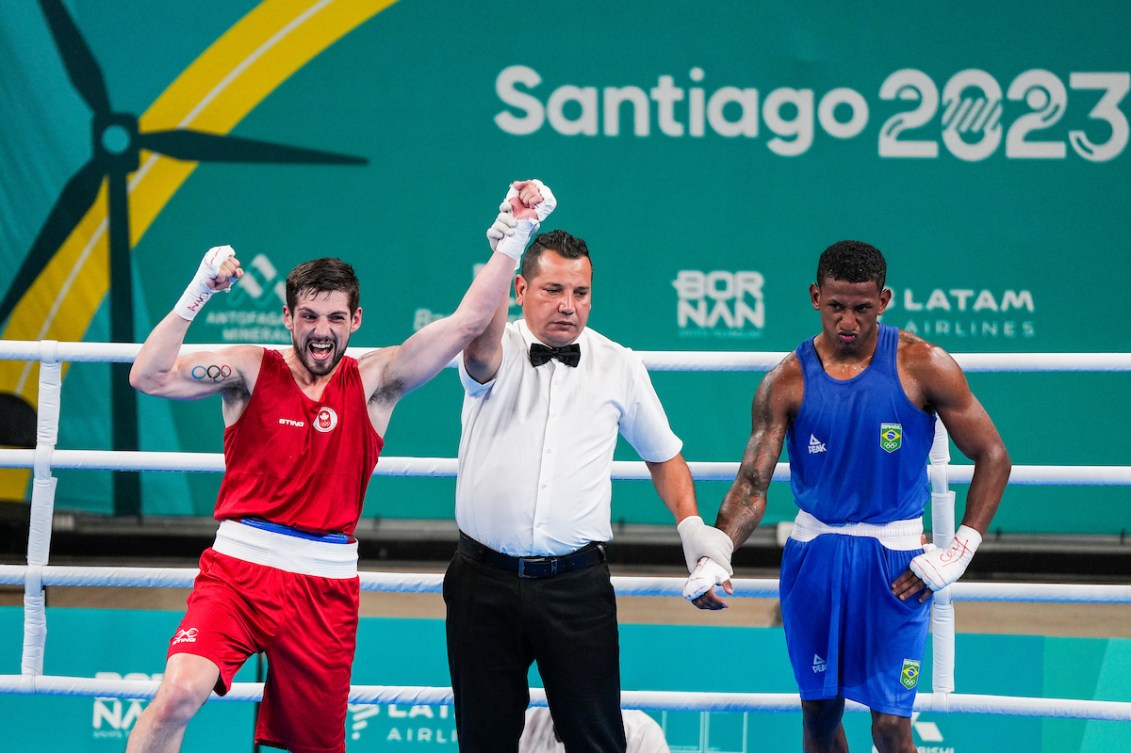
{"x": 42, "y": 507}
{"x": 942, "y": 526}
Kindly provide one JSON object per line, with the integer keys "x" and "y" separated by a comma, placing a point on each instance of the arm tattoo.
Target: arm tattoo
{"x": 216, "y": 372}
{"x": 745, "y": 503}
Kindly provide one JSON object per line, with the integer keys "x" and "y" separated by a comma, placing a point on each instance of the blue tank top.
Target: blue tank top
{"x": 858, "y": 447}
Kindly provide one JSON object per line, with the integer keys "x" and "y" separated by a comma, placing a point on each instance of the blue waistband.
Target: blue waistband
{"x": 266, "y": 525}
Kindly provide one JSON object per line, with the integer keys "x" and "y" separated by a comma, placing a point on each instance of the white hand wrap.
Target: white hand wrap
{"x": 938, "y": 568}
{"x": 549, "y": 201}
{"x": 706, "y": 575}
{"x": 503, "y": 225}
{"x": 199, "y": 291}
{"x": 701, "y": 540}
{"x": 514, "y": 243}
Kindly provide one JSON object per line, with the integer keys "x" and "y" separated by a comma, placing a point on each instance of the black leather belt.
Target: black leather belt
{"x": 533, "y": 567}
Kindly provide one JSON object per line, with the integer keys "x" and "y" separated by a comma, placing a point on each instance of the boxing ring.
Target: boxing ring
{"x": 45, "y": 458}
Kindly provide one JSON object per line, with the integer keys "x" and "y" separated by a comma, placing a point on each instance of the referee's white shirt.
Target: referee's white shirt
{"x": 537, "y": 446}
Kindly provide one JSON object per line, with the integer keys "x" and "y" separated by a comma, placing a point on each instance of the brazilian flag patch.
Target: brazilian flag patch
{"x": 891, "y": 437}
{"x": 909, "y": 677}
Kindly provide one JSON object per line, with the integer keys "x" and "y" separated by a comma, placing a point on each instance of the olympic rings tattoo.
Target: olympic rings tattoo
{"x": 213, "y": 372}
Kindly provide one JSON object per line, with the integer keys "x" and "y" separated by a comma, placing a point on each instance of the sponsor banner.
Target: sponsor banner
{"x": 131, "y": 645}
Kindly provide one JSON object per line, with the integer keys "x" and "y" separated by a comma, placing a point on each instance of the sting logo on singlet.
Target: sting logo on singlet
{"x": 186, "y": 636}
{"x": 326, "y": 419}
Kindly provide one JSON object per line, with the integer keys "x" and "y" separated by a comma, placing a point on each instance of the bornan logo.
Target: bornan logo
{"x": 326, "y": 419}
{"x": 720, "y": 304}
{"x": 114, "y": 717}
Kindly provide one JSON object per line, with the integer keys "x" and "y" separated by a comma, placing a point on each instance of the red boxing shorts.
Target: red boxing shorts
{"x": 307, "y": 627}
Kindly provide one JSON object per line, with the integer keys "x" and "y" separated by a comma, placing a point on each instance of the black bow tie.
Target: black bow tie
{"x": 570, "y": 354}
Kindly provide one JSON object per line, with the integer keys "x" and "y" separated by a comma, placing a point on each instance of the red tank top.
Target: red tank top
{"x": 296, "y": 461}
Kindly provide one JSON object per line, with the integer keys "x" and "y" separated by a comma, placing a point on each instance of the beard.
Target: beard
{"x": 319, "y": 367}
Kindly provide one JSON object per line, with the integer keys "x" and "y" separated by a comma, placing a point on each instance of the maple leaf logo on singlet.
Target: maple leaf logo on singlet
{"x": 326, "y": 419}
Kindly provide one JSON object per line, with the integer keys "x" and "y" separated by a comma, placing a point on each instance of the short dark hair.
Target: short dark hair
{"x": 852, "y": 261}
{"x": 559, "y": 241}
{"x": 324, "y": 275}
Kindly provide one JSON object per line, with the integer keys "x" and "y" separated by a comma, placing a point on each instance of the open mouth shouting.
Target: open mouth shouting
{"x": 321, "y": 351}
{"x": 321, "y": 355}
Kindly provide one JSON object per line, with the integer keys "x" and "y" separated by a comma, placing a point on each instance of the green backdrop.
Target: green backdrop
{"x": 706, "y": 151}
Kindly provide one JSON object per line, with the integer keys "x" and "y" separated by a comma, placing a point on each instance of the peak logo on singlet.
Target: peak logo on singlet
{"x": 891, "y": 437}
{"x": 819, "y": 664}
{"x": 816, "y": 445}
{"x": 326, "y": 419}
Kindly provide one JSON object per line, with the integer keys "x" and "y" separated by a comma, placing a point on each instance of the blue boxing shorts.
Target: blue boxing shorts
{"x": 846, "y": 633}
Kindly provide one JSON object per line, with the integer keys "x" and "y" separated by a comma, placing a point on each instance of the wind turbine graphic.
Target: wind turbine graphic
{"x": 116, "y": 146}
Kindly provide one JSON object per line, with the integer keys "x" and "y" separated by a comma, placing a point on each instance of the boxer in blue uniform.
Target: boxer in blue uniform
{"x": 857, "y": 406}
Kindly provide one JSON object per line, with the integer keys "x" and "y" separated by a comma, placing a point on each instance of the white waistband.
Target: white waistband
{"x": 902, "y": 535}
{"x": 289, "y": 553}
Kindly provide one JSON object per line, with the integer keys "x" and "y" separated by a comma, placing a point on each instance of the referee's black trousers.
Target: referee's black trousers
{"x": 498, "y": 624}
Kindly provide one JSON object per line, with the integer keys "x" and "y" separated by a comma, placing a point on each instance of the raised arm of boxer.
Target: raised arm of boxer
{"x": 482, "y": 356}
{"x": 391, "y": 373}
{"x": 161, "y": 370}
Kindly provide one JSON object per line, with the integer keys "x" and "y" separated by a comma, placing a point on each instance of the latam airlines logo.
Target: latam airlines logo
{"x": 423, "y": 725}
{"x": 720, "y": 304}
{"x": 967, "y": 312}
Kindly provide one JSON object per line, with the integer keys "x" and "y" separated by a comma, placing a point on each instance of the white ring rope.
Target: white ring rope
{"x": 1064, "y": 708}
{"x": 44, "y": 458}
{"x": 213, "y": 462}
{"x": 656, "y": 360}
{"x": 748, "y": 588}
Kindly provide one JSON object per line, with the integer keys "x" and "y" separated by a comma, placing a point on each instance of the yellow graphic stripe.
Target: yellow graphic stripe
{"x": 213, "y": 94}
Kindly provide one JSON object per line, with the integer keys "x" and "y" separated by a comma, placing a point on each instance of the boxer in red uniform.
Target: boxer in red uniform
{"x": 304, "y": 428}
